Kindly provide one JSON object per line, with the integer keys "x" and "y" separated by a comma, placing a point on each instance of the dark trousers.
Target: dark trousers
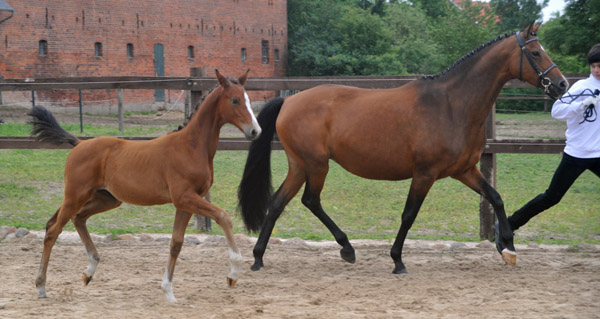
{"x": 565, "y": 175}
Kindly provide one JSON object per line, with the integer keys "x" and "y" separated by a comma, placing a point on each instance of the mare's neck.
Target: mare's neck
{"x": 474, "y": 86}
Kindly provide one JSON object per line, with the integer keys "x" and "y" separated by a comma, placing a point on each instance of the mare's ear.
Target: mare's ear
{"x": 532, "y": 29}
{"x": 242, "y": 79}
{"x": 222, "y": 80}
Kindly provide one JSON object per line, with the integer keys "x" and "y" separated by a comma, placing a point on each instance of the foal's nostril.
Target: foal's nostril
{"x": 253, "y": 133}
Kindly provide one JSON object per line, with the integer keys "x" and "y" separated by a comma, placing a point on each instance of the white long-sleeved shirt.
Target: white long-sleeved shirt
{"x": 583, "y": 140}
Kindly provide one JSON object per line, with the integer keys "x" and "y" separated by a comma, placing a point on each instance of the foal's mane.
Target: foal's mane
{"x": 467, "y": 56}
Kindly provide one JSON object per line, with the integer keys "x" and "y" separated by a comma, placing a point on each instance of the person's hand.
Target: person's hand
{"x": 589, "y": 101}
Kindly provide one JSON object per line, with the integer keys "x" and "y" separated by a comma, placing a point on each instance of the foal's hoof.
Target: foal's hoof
{"x": 348, "y": 254}
{"x": 231, "y": 282}
{"x": 86, "y": 279}
{"x": 509, "y": 257}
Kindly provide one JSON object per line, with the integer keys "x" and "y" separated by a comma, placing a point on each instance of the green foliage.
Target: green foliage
{"x": 576, "y": 31}
{"x": 376, "y": 37}
{"x": 517, "y": 14}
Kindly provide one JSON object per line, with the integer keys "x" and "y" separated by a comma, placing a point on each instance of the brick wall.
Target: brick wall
{"x": 217, "y": 30}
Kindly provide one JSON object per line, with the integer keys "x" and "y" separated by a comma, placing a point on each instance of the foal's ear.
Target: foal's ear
{"x": 242, "y": 79}
{"x": 222, "y": 79}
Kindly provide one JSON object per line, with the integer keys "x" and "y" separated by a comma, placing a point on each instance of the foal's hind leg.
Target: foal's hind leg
{"x": 312, "y": 200}
{"x": 100, "y": 202}
{"x": 53, "y": 229}
{"x": 181, "y": 221}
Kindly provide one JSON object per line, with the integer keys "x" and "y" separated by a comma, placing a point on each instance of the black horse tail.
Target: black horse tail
{"x": 255, "y": 187}
{"x": 46, "y": 129}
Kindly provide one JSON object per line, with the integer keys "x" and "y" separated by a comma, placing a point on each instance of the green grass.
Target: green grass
{"x": 20, "y": 129}
{"x": 31, "y": 191}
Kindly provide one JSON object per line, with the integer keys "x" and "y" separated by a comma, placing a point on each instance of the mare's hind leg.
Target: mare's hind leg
{"x": 54, "y": 227}
{"x": 477, "y": 182}
{"x": 312, "y": 200}
{"x": 419, "y": 188}
{"x": 181, "y": 221}
{"x": 288, "y": 189}
{"x": 100, "y": 202}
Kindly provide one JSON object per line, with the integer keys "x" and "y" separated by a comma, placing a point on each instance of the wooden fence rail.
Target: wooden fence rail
{"x": 197, "y": 83}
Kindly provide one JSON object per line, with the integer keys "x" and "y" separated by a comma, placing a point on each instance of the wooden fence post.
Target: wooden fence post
{"x": 488, "y": 169}
{"x": 201, "y": 222}
{"x": 120, "y": 108}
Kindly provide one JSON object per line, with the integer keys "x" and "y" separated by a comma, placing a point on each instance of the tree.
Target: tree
{"x": 576, "y": 31}
{"x": 517, "y": 14}
{"x": 459, "y": 32}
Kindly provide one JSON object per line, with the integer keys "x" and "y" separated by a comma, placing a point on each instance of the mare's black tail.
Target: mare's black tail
{"x": 46, "y": 128}
{"x": 255, "y": 188}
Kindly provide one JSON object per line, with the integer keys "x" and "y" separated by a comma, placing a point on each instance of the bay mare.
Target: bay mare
{"x": 177, "y": 168}
{"x": 426, "y": 130}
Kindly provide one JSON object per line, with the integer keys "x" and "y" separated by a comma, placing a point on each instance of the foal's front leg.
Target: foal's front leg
{"x": 194, "y": 203}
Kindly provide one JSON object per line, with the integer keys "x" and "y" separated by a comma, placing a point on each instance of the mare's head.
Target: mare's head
{"x": 234, "y": 105}
{"x": 531, "y": 63}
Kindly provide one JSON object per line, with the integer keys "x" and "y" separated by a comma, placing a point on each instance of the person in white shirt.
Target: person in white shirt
{"x": 579, "y": 107}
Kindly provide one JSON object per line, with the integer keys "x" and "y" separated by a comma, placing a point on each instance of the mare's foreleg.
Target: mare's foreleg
{"x": 100, "y": 202}
{"x": 312, "y": 200}
{"x": 181, "y": 221}
{"x": 419, "y": 188}
{"x": 475, "y": 180}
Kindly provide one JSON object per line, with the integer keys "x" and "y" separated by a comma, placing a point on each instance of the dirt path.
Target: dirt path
{"x": 301, "y": 281}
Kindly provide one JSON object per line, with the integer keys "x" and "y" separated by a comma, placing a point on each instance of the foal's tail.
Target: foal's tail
{"x": 255, "y": 188}
{"x": 46, "y": 128}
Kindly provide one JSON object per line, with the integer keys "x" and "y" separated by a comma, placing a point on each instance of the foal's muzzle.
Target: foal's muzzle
{"x": 252, "y": 132}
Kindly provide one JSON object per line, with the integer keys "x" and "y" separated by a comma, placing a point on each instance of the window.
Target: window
{"x": 243, "y": 54}
{"x": 43, "y": 47}
{"x": 265, "y": 52}
{"x": 97, "y": 49}
{"x": 276, "y": 55}
{"x": 130, "y": 50}
{"x": 191, "y": 52}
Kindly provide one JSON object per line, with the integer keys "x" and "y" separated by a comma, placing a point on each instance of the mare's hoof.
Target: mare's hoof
{"x": 509, "y": 257}
{"x": 231, "y": 282}
{"x": 86, "y": 279}
{"x": 257, "y": 266}
{"x": 400, "y": 271}
{"x": 348, "y": 254}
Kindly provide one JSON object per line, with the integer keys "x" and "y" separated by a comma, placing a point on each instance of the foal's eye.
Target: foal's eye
{"x": 235, "y": 101}
{"x": 536, "y": 54}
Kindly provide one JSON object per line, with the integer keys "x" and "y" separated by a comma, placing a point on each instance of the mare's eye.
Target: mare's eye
{"x": 235, "y": 101}
{"x": 536, "y": 54}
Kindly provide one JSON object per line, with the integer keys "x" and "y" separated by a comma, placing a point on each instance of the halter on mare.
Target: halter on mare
{"x": 542, "y": 79}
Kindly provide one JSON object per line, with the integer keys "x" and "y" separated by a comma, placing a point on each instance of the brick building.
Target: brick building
{"x": 78, "y": 38}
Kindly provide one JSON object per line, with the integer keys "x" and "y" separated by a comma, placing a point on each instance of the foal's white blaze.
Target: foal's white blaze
{"x": 255, "y": 125}
{"x": 167, "y": 286}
